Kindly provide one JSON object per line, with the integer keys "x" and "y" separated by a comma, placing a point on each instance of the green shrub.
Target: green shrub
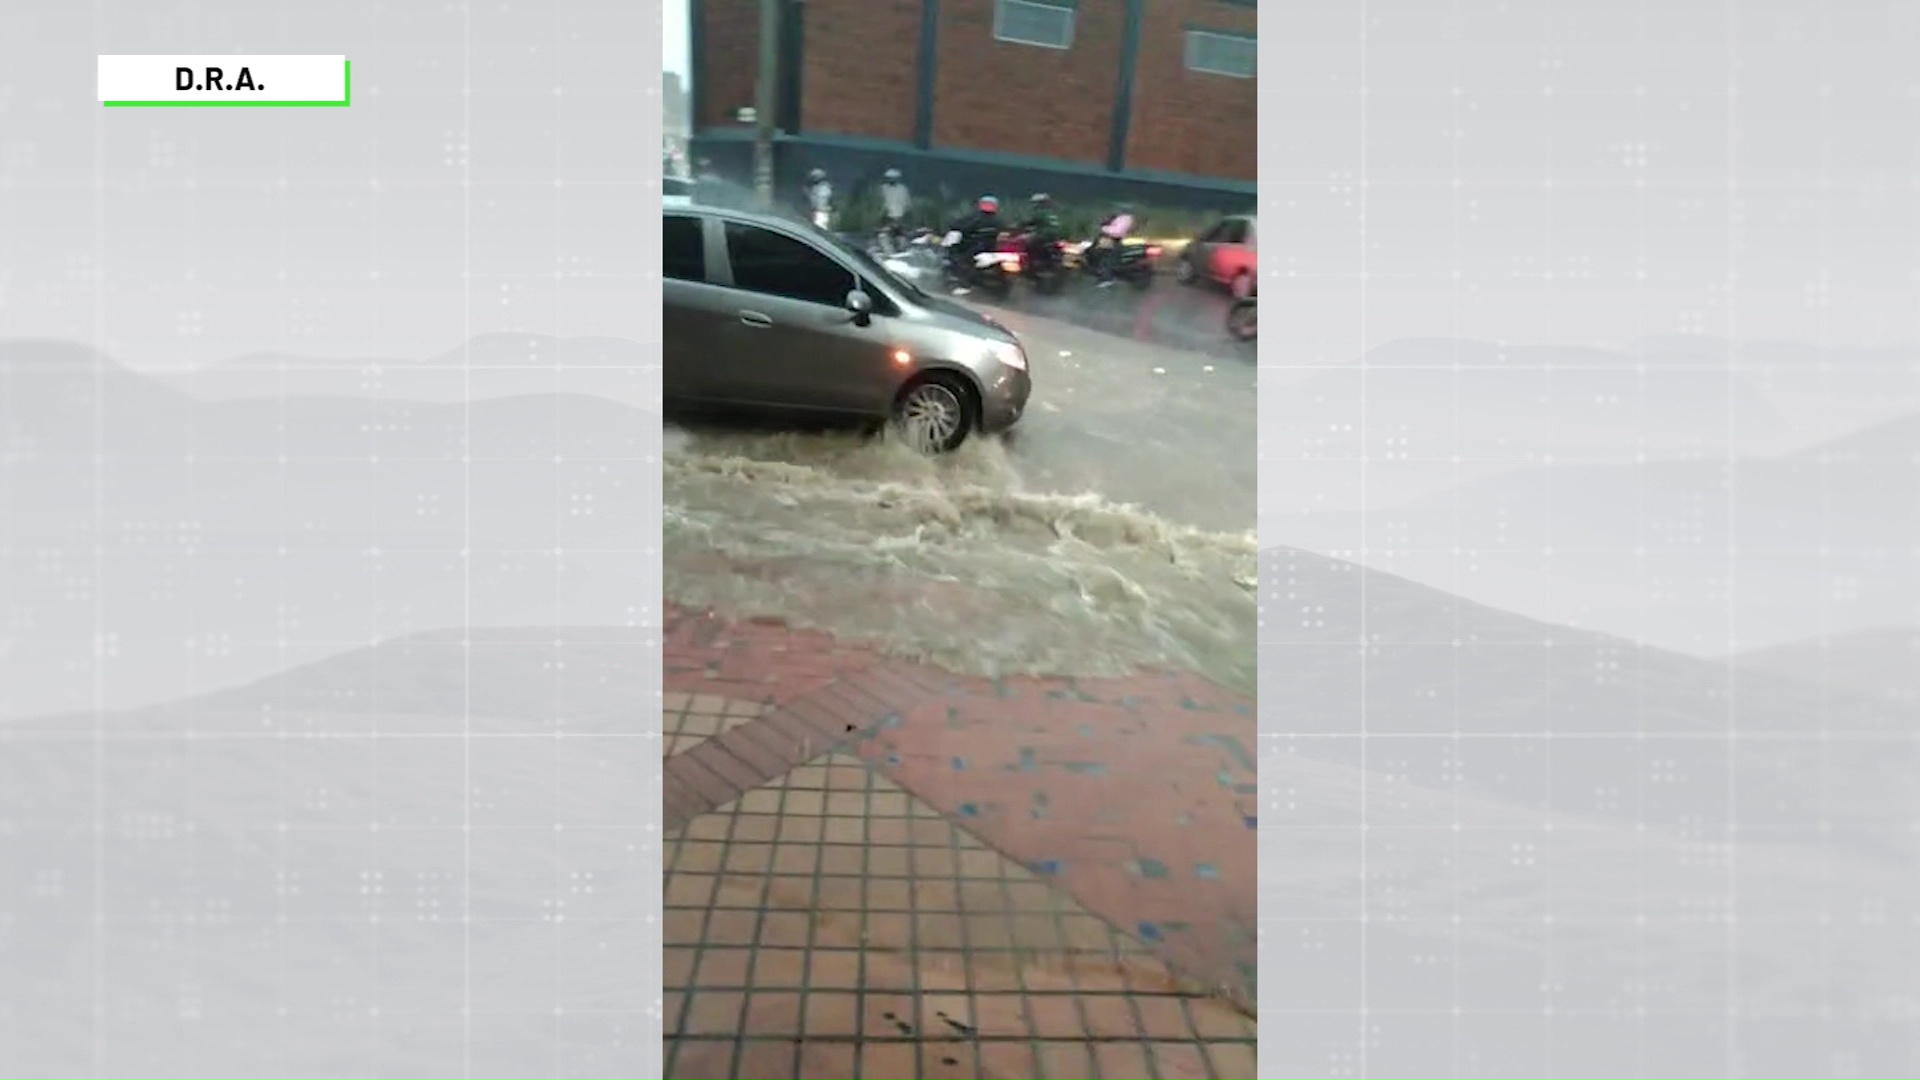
{"x": 860, "y": 215}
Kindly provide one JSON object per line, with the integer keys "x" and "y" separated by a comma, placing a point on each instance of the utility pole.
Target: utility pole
{"x": 766, "y": 97}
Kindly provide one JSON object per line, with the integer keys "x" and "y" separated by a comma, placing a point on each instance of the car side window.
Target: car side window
{"x": 1217, "y": 234}
{"x": 767, "y": 262}
{"x": 683, "y": 248}
{"x": 1235, "y": 233}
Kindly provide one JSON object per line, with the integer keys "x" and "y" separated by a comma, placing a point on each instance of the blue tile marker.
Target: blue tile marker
{"x": 1251, "y": 820}
{"x": 1149, "y": 932}
{"x": 959, "y": 764}
{"x": 967, "y": 809}
{"x": 1207, "y": 870}
{"x": 1047, "y": 867}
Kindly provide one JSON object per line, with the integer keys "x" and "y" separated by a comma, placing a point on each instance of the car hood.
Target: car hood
{"x": 961, "y": 313}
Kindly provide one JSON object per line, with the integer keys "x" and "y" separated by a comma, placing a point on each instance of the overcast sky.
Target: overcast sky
{"x": 673, "y": 36}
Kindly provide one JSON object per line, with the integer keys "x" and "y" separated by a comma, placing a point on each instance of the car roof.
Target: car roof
{"x": 786, "y": 223}
{"x": 752, "y": 217}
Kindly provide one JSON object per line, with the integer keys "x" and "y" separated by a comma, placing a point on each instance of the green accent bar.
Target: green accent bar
{"x": 341, "y": 104}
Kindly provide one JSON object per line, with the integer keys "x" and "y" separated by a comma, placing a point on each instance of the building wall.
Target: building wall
{"x": 1023, "y": 99}
{"x": 860, "y": 78}
{"x": 727, "y": 36}
{"x": 1186, "y": 121}
{"x": 860, "y": 69}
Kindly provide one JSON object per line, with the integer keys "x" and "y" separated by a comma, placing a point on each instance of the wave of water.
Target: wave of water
{"x": 951, "y": 560}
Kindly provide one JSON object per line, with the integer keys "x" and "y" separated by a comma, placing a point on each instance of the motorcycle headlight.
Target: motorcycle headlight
{"x": 1011, "y": 354}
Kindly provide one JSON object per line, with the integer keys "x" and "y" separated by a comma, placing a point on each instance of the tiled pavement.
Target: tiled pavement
{"x": 1134, "y": 795}
{"x": 691, "y": 719}
{"x": 828, "y": 924}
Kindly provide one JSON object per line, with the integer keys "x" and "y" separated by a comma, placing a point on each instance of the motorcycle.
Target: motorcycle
{"x": 919, "y": 259}
{"x": 1240, "y": 319}
{"x": 1047, "y": 274}
{"x": 892, "y": 239}
{"x": 1132, "y": 261}
{"x": 992, "y": 271}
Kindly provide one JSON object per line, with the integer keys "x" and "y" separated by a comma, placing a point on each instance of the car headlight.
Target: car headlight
{"x": 1011, "y": 354}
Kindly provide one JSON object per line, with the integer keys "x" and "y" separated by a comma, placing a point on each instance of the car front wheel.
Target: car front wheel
{"x": 934, "y": 414}
{"x": 1184, "y": 271}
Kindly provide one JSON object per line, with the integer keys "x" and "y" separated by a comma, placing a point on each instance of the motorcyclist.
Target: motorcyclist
{"x": 978, "y": 232}
{"x": 819, "y": 198}
{"x": 895, "y": 200}
{"x": 1106, "y": 246}
{"x": 1043, "y": 231}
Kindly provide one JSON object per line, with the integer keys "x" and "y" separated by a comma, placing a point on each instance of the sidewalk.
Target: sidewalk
{"x": 882, "y": 869}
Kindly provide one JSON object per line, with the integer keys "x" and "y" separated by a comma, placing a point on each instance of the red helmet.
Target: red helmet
{"x": 989, "y": 205}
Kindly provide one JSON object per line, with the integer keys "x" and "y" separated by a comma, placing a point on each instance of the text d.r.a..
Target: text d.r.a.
{"x": 215, "y": 80}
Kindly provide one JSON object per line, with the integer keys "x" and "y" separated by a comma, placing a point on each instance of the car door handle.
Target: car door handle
{"x": 755, "y": 319}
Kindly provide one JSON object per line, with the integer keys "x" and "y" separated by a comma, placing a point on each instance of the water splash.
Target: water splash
{"x": 950, "y": 560}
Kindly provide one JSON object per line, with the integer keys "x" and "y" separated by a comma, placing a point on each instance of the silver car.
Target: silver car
{"x": 764, "y": 314}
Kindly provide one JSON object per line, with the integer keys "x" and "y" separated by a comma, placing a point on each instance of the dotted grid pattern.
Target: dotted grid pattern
{"x": 1590, "y": 346}
{"x": 296, "y": 895}
{"x": 828, "y": 924}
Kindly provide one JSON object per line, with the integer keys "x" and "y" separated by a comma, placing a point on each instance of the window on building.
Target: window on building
{"x": 683, "y": 248}
{"x": 1034, "y": 22}
{"x": 767, "y": 262}
{"x": 1234, "y": 55}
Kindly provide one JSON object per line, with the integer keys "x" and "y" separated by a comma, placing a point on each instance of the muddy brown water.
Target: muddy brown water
{"x": 953, "y": 560}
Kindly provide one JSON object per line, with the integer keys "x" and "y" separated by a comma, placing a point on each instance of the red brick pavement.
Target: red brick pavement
{"x": 1135, "y": 794}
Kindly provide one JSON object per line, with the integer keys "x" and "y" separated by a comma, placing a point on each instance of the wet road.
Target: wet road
{"x": 1112, "y": 530}
{"x": 1167, "y": 314}
{"x": 1168, "y": 430}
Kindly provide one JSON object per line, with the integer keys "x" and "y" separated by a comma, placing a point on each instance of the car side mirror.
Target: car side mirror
{"x": 862, "y": 307}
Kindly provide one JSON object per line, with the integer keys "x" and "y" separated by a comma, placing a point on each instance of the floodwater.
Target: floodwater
{"x": 954, "y": 560}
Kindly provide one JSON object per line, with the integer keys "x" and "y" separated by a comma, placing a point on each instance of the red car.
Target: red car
{"x": 1227, "y": 254}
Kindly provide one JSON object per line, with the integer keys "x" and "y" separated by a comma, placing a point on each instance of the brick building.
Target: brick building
{"x": 1146, "y": 99}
